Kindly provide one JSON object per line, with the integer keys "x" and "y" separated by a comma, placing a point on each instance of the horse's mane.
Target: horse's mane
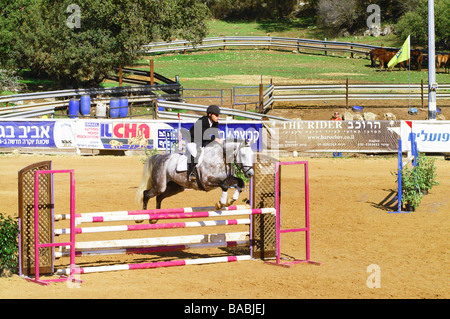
{"x": 228, "y": 140}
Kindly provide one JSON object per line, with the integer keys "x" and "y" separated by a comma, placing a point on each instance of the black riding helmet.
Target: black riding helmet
{"x": 214, "y": 109}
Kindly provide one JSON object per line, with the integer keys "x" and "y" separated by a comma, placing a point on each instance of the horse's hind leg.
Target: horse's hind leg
{"x": 171, "y": 189}
{"x": 149, "y": 193}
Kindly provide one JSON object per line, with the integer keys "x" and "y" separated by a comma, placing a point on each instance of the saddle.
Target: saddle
{"x": 182, "y": 163}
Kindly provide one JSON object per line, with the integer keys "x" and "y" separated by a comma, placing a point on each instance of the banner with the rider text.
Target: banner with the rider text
{"x": 332, "y": 136}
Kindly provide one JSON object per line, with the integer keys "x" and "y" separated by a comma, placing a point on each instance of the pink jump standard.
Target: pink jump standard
{"x": 280, "y": 231}
{"x": 37, "y": 245}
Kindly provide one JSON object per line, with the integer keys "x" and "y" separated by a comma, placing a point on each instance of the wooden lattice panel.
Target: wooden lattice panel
{"x": 264, "y": 226}
{"x": 26, "y": 215}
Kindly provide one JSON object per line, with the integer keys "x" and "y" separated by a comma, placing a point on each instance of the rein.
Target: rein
{"x": 241, "y": 167}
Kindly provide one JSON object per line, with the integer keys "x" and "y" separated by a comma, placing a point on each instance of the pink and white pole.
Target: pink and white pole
{"x": 150, "y": 211}
{"x": 206, "y": 223}
{"x": 159, "y": 264}
{"x": 143, "y": 215}
{"x": 150, "y": 250}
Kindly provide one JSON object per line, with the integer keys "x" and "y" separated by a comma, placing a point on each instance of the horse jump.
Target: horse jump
{"x": 143, "y": 245}
{"x": 160, "y": 244}
{"x": 156, "y": 244}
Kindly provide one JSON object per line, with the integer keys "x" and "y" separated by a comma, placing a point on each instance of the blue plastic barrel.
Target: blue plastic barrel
{"x": 85, "y": 105}
{"x": 114, "y": 108}
{"x": 161, "y": 108}
{"x": 123, "y": 103}
{"x": 74, "y": 108}
{"x": 413, "y": 111}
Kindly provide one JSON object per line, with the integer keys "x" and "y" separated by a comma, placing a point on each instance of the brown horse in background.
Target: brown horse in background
{"x": 443, "y": 59}
{"x": 417, "y": 58}
{"x": 385, "y": 55}
{"x": 385, "y": 58}
{"x": 375, "y": 54}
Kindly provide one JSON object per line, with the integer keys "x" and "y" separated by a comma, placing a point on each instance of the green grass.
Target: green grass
{"x": 225, "y": 69}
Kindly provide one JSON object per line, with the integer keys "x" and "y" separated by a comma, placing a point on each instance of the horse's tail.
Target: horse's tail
{"x": 146, "y": 182}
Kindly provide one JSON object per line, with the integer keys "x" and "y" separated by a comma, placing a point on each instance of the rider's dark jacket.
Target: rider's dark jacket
{"x": 208, "y": 132}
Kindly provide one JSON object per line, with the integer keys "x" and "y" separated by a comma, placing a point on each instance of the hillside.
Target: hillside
{"x": 237, "y": 66}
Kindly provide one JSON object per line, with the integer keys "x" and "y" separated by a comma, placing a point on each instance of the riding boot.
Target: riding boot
{"x": 191, "y": 169}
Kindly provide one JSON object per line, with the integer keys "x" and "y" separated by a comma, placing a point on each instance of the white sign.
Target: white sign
{"x": 431, "y": 137}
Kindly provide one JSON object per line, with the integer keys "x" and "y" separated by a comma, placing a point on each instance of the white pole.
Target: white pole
{"x": 432, "y": 85}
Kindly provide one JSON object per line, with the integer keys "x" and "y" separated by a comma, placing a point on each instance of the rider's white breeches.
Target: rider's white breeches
{"x": 192, "y": 149}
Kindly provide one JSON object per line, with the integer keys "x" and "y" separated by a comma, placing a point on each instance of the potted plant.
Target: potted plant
{"x": 426, "y": 172}
{"x": 411, "y": 192}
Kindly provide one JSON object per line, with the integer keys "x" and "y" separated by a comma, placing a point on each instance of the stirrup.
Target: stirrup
{"x": 192, "y": 177}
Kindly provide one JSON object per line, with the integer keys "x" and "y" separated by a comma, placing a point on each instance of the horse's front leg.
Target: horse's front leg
{"x": 239, "y": 186}
{"x": 230, "y": 181}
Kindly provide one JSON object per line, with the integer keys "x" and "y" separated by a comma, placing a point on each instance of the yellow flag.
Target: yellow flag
{"x": 401, "y": 55}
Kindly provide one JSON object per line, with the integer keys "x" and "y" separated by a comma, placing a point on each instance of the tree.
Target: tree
{"x": 251, "y": 9}
{"x": 46, "y": 38}
{"x": 415, "y": 23}
{"x": 351, "y": 15}
{"x": 337, "y": 16}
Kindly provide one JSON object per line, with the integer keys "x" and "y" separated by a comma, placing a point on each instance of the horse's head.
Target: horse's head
{"x": 243, "y": 157}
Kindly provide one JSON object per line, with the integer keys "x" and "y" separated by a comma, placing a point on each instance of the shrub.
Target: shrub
{"x": 411, "y": 192}
{"x": 338, "y": 16}
{"x": 9, "y": 81}
{"x": 417, "y": 181}
{"x": 426, "y": 173}
{"x": 9, "y": 245}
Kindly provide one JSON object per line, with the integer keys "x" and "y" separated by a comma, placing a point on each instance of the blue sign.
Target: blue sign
{"x": 27, "y": 134}
{"x": 240, "y": 131}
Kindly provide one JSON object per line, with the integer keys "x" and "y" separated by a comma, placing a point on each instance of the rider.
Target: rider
{"x": 204, "y": 131}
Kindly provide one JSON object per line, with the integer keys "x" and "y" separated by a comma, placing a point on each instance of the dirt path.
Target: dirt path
{"x": 350, "y": 232}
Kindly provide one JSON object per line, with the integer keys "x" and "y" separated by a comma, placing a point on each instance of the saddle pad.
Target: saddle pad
{"x": 182, "y": 164}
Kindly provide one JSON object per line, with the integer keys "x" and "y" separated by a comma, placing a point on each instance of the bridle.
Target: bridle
{"x": 243, "y": 168}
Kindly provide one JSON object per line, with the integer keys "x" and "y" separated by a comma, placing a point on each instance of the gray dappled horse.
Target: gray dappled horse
{"x": 161, "y": 178}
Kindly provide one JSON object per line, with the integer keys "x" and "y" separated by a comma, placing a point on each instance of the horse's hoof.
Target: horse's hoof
{"x": 152, "y": 221}
{"x": 230, "y": 202}
{"x": 219, "y": 205}
{"x": 138, "y": 221}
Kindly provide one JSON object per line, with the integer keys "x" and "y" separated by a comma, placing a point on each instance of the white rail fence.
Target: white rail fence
{"x": 347, "y": 92}
{"x": 169, "y": 105}
{"x": 45, "y": 103}
{"x": 258, "y": 41}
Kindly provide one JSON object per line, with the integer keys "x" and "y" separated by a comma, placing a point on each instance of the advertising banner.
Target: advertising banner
{"x": 26, "y": 134}
{"x": 300, "y": 136}
{"x": 332, "y": 136}
{"x": 430, "y": 136}
{"x": 112, "y": 134}
{"x": 241, "y": 130}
